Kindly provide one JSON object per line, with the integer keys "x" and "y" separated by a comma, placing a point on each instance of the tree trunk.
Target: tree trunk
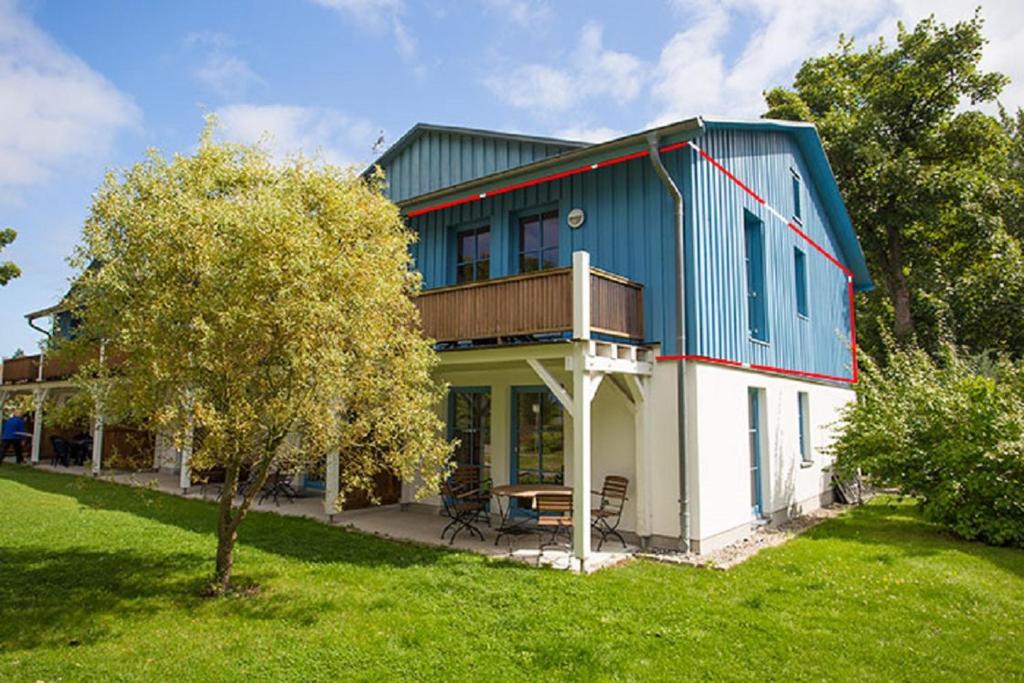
{"x": 899, "y": 288}
{"x": 225, "y": 559}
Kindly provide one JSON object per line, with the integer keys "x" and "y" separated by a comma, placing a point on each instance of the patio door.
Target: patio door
{"x": 469, "y": 421}
{"x": 538, "y": 446}
{"x": 756, "y": 500}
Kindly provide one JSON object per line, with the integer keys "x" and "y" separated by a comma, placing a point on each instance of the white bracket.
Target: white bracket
{"x": 553, "y": 384}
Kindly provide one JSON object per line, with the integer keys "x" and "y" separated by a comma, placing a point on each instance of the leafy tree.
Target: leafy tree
{"x": 8, "y": 270}
{"x": 927, "y": 183}
{"x": 267, "y": 307}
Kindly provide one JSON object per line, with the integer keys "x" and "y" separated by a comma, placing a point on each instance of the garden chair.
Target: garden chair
{"x": 277, "y": 485}
{"x": 554, "y": 513}
{"x": 606, "y": 518}
{"x": 61, "y": 451}
{"x": 465, "y": 503}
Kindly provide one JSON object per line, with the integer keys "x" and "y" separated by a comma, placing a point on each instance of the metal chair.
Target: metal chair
{"x": 277, "y": 485}
{"x": 464, "y": 507}
{"x": 606, "y": 518}
{"x": 61, "y": 451}
{"x": 554, "y": 512}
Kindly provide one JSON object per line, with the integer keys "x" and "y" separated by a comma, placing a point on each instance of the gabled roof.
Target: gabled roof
{"x": 420, "y": 128}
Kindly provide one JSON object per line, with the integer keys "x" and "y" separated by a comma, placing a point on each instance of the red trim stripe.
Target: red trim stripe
{"x": 730, "y": 176}
{"x": 762, "y": 368}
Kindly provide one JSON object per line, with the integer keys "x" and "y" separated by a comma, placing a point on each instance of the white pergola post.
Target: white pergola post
{"x": 584, "y": 385}
{"x": 331, "y": 483}
{"x": 37, "y": 425}
{"x": 639, "y": 388}
{"x": 580, "y": 295}
{"x": 97, "y": 444}
{"x": 185, "y": 470}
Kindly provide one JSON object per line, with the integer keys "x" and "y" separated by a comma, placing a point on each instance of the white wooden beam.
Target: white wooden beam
{"x": 332, "y": 487}
{"x": 581, "y": 460}
{"x": 37, "y": 425}
{"x": 97, "y": 444}
{"x": 554, "y": 385}
{"x": 504, "y": 354}
{"x": 580, "y": 295}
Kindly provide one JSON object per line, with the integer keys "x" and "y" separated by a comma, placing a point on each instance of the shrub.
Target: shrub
{"x": 948, "y": 431}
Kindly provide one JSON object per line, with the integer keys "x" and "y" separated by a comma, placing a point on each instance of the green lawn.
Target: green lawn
{"x": 101, "y": 582}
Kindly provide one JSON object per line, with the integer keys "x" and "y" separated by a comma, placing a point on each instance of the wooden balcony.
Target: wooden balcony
{"x": 538, "y": 303}
{"x": 26, "y": 369}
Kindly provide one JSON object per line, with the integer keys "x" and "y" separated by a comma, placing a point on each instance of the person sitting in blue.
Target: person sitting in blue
{"x": 14, "y": 431}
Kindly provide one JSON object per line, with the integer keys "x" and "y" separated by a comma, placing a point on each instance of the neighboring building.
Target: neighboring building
{"x": 552, "y": 286}
{"x": 578, "y": 343}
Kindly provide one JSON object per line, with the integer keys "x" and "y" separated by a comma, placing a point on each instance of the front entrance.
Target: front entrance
{"x": 469, "y": 421}
{"x": 538, "y": 444}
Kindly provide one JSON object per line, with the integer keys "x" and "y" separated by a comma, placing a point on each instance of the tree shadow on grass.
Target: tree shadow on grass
{"x": 899, "y": 531}
{"x": 293, "y": 537}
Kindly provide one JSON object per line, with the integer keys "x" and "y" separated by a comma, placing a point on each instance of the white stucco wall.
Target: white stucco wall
{"x": 720, "y": 496}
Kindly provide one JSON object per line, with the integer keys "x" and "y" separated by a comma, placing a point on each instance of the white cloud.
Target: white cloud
{"x": 377, "y": 15}
{"x": 589, "y": 134}
{"x": 57, "y": 112}
{"x": 288, "y": 129}
{"x": 696, "y": 75}
{"x": 221, "y": 71}
{"x": 591, "y": 71}
{"x": 523, "y": 12}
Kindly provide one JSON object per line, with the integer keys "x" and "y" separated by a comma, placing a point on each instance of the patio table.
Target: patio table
{"x": 510, "y": 527}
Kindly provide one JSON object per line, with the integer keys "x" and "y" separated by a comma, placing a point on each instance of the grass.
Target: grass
{"x": 101, "y": 582}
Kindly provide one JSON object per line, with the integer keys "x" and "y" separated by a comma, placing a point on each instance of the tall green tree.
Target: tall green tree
{"x": 266, "y": 307}
{"x": 928, "y": 182}
{"x": 8, "y": 270}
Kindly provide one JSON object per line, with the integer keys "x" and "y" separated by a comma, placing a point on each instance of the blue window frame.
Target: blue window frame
{"x": 800, "y": 277}
{"x": 757, "y": 308}
{"x": 538, "y": 241}
{"x": 473, "y": 254}
{"x": 469, "y": 421}
{"x": 538, "y": 450}
{"x": 802, "y": 425}
{"x": 797, "y": 203}
{"x": 754, "y": 431}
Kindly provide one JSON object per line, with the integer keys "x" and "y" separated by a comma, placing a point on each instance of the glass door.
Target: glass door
{"x": 469, "y": 421}
{"x": 538, "y": 451}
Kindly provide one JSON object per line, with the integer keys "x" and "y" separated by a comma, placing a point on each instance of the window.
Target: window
{"x": 796, "y": 197}
{"x": 469, "y": 421}
{"x": 803, "y": 426}
{"x": 538, "y": 241}
{"x": 473, "y": 254}
{"x": 800, "y": 274}
{"x": 754, "y": 432}
{"x": 539, "y": 455}
{"x": 757, "y": 314}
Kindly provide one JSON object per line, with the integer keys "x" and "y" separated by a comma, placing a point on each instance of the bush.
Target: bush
{"x": 948, "y": 431}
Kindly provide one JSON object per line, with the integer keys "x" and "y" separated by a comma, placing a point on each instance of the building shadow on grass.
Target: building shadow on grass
{"x": 293, "y": 537}
{"x": 898, "y": 531}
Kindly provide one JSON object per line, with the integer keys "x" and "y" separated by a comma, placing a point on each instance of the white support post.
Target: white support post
{"x": 582, "y": 392}
{"x": 185, "y": 471}
{"x": 639, "y": 389}
{"x": 331, "y": 485}
{"x": 580, "y": 295}
{"x": 97, "y": 444}
{"x": 37, "y": 425}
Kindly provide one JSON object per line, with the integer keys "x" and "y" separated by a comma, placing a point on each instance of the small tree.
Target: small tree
{"x": 8, "y": 270}
{"x": 267, "y": 307}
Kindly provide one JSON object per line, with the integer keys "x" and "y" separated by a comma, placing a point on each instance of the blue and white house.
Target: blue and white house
{"x": 673, "y": 306}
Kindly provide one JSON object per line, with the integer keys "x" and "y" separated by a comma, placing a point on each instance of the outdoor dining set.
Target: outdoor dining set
{"x": 540, "y": 509}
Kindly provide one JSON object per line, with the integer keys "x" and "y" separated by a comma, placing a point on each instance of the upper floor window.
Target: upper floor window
{"x": 797, "y": 206}
{"x": 800, "y": 276}
{"x": 757, "y": 306}
{"x": 538, "y": 241}
{"x": 473, "y": 254}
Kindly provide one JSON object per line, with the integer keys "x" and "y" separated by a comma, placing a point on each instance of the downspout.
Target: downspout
{"x": 677, "y": 201}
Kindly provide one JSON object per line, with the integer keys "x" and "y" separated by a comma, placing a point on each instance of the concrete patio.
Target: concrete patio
{"x": 413, "y": 523}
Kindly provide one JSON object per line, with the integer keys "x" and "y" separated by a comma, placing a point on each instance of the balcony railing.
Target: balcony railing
{"x": 27, "y": 369}
{"x": 544, "y": 302}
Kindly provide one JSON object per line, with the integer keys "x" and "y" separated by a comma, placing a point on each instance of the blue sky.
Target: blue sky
{"x": 88, "y": 86}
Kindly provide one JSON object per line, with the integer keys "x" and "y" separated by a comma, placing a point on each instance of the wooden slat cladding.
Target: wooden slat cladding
{"x": 616, "y": 305}
{"x": 533, "y": 303}
{"x": 24, "y": 369}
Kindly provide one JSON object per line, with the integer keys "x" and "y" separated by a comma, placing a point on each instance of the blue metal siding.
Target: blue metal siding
{"x": 435, "y": 160}
{"x": 628, "y": 230}
{"x": 717, "y": 316}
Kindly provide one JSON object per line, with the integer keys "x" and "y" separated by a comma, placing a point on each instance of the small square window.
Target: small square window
{"x": 797, "y": 200}
{"x": 800, "y": 280}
